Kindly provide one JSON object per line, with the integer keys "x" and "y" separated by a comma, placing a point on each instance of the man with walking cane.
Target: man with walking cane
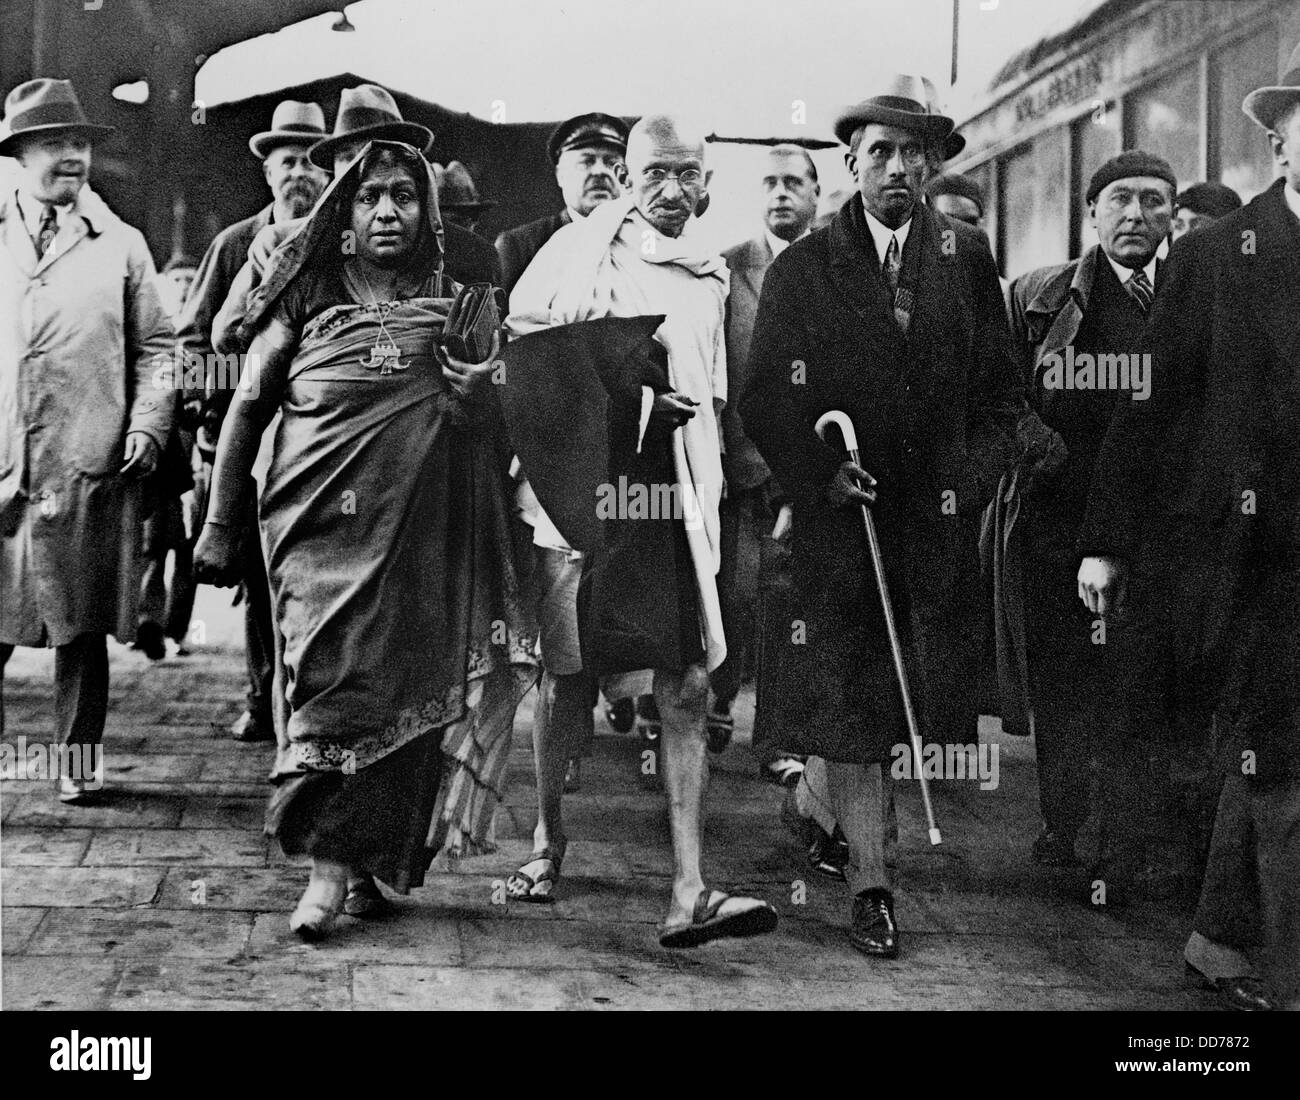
{"x": 891, "y": 314}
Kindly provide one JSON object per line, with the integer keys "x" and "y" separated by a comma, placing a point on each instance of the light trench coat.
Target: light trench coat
{"x": 82, "y": 333}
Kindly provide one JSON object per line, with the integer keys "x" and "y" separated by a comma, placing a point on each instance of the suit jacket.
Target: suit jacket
{"x": 517, "y": 247}
{"x": 748, "y": 263}
{"x": 1221, "y": 503}
{"x": 935, "y": 413}
{"x": 220, "y": 264}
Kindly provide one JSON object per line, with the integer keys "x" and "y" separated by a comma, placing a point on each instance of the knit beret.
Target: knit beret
{"x": 1131, "y": 162}
{"x": 1214, "y": 200}
{"x": 950, "y": 183}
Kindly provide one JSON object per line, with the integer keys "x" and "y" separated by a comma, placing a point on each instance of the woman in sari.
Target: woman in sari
{"x": 385, "y": 521}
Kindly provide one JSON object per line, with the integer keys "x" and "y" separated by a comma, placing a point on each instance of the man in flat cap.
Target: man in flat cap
{"x": 1078, "y": 329}
{"x": 958, "y": 197}
{"x": 295, "y": 184}
{"x": 587, "y": 152}
{"x": 1225, "y": 346}
{"x": 81, "y": 422}
{"x": 1202, "y": 205}
{"x": 893, "y": 315}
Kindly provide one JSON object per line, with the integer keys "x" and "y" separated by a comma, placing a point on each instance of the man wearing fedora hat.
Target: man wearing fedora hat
{"x": 366, "y": 113}
{"x": 295, "y": 183}
{"x": 587, "y": 154}
{"x": 81, "y": 422}
{"x": 458, "y": 198}
{"x": 1225, "y": 344}
{"x": 893, "y": 315}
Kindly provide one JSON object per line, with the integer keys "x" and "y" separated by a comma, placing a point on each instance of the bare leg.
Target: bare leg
{"x": 563, "y": 710}
{"x": 681, "y": 699}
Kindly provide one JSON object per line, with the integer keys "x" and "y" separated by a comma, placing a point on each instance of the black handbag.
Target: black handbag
{"x": 476, "y": 315}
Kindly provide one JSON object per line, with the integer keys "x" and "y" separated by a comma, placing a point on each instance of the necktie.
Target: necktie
{"x": 891, "y": 267}
{"x": 1140, "y": 290}
{"x": 46, "y": 231}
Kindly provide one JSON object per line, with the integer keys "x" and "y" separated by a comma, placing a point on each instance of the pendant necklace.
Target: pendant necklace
{"x": 385, "y": 356}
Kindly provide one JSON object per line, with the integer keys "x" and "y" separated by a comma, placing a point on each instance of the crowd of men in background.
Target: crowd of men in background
{"x": 1116, "y": 431}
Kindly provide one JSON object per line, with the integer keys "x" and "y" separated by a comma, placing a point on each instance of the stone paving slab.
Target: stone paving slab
{"x": 163, "y": 893}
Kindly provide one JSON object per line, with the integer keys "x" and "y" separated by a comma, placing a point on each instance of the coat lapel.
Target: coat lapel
{"x": 70, "y": 232}
{"x": 17, "y": 244}
{"x": 855, "y": 272}
{"x": 1272, "y": 277}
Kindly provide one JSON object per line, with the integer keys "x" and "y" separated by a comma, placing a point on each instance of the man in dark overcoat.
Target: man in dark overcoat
{"x": 893, "y": 314}
{"x": 1069, "y": 323}
{"x": 587, "y": 152}
{"x": 1223, "y": 501}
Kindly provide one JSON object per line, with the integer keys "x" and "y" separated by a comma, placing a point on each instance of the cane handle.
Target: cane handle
{"x": 845, "y": 425}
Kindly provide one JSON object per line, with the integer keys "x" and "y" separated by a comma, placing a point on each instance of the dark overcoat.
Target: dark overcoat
{"x": 935, "y": 413}
{"x": 1220, "y": 504}
{"x": 517, "y": 247}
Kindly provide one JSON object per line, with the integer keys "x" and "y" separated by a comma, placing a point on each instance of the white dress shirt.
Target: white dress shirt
{"x": 777, "y": 245}
{"x": 880, "y": 233}
{"x": 1124, "y": 274}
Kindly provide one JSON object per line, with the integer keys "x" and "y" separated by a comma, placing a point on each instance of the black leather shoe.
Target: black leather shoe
{"x": 829, "y": 854}
{"x": 620, "y": 714}
{"x": 873, "y": 931}
{"x": 250, "y": 727}
{"x": 1244, "y": 995}
{"x": 149, "y": 640}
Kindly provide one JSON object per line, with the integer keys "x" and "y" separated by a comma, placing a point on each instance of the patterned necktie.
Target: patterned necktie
{"x": 1140, "y": 290}
{"x": 891, "y": 267}
{"x": 46, "y": 231}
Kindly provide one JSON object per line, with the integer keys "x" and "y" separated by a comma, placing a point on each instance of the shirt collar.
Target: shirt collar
{"x": 1124, "y": 274}
{"x": 1292, "y": 199}
{"x": 880, "y": 233}
{"x": 777, "y": 244}
{"x": 33, "y": 210}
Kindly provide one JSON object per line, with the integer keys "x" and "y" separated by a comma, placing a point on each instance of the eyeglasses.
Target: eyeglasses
{"x": 657, "y": 177}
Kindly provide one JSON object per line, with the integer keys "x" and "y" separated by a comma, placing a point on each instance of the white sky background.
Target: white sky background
{"x": 736, "y": 66}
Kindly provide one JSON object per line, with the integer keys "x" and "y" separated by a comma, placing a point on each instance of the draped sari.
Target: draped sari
{"x": 386, "y": 524}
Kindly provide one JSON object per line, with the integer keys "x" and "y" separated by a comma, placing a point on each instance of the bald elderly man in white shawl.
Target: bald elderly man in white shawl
{"x": 633, "y": 257}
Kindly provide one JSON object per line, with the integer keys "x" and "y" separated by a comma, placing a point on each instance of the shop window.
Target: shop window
{"x": 1165, "y": 118}
{"x": 1094, "y": 139}
{"x": 1034, "y": 204}
{"x": 1239, "y": 153}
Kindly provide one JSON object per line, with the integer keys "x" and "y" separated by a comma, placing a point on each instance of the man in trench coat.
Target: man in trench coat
{"x": 893, "y": 314}
{"x": 81, "y": 422}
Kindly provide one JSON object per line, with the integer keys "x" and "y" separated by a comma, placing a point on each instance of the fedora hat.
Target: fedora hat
{"x": 1263, "y": 105}
{"x": 456, "y": 190}
{"x": 292, "y": 122}
{"x": 585, "y": 131}
{"x": 954, "y": 143}
{"x": 904, "y": 102}
{"x": 42, "y": 106}
{"x": 368, "y": 112}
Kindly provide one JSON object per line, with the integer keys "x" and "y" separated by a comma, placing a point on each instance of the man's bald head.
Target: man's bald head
{"x": 660, "y": 149}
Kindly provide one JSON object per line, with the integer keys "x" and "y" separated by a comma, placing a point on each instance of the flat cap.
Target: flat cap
{"x": 1214, "y": 200}
{"x": 586, "y": 130}
{"x": 1131, "y": 162}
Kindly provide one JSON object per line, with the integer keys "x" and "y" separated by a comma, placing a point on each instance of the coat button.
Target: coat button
{"x": 49, "y": 504}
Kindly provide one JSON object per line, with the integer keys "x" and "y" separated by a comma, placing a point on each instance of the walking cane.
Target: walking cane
{"x": 845, "y": 425}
